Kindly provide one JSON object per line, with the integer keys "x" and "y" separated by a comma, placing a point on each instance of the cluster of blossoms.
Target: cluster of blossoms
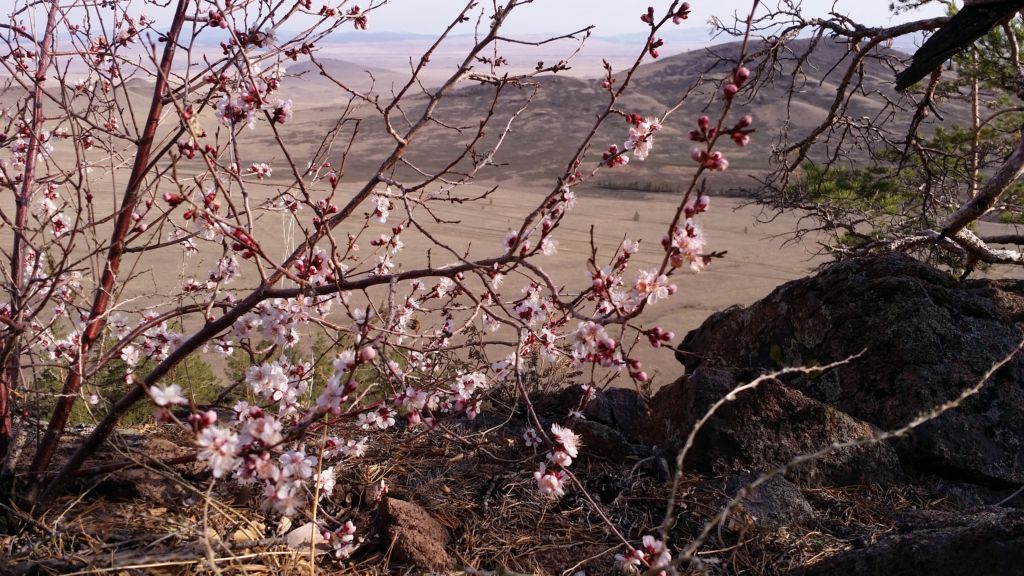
{"x": 318, "y": 269}
{"x": 685, "y": 244}
{"x": 261, "y": 170}
{"x": 565, "y": 447}
{"x": 591, "y": 343}
{"x": 649, "y": 287}
{"x": 23, "y": 58}
{"x": 281, "y": 382}
{"x": 641, "y": 135}
{"x": 653, "y": 557}
{"x": 713, "y": 160}
{"x": 358, "y": 18}
{"x": 277, "y": 320}
{"x": 160, "y": 340}
{"x": 614, "y": 157}
{"x": 44, "y": 140}
{"x": 258, "y": 443}
{"x": 706, "y": 134}
{"x": 421, "y": 407}
{"x": 164, "y": 399}
{"x": 533, "y": 308}
{"x": 678, "y": 16}
{"x": 342, "y": 540}
{"x": 240, "y": 104}
{"x": 739, "y": 78}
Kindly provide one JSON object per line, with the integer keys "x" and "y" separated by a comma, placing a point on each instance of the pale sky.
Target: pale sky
{"x": 612, "y": 17}
{"x": 615, "y": 16}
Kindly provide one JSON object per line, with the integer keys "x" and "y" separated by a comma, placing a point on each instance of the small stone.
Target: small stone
{"x": 301, "y": 537}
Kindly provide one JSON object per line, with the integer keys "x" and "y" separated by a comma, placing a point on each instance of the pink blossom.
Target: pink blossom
{"x": 168, "y": 396}
{"x": 560, "y": 458}
{"x": 261, "y": 170}
{"x": 651, "y": 286}
{"x": 296, "y": 464}
{"x": 613, "y": 157}
{"x": 632, "y": 562}
{"x": 265, "y": 430}
{"x": 549, "y": 482}
{"x": 326, "y": 482}
{"x": 658, "y": 553}
{"x": 531, "y": 438}
{"x": 641, "y": 137}
{"x": 566, "y": 440}
{"x": 60, "y": 224}
{"x": 220, "y": 447}
{"x": 285, "y": 496}
{"x": 591, "y": 342}
{"x": 342, "y": 540}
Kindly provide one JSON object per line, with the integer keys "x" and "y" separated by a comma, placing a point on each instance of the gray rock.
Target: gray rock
{"x": 623, "y": 409}
{"x": 938, "y": 544}
{"x": 773, "y": 505}
{"x": 602, "y": 442}
{"x": 765, "y": 428}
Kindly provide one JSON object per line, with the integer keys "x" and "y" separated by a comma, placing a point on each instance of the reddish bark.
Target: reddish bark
{"x": 123, "y": 223}
{"x": 12, "y": 348}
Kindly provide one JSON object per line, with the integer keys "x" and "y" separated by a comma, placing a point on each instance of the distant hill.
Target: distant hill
{"x": 356, "y": 76}
{"x": 563, "y": 110}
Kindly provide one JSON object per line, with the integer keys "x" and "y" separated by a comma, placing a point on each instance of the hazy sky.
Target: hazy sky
{"x": 613, "y": 16}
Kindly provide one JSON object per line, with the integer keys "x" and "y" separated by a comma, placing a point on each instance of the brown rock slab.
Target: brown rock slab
{"x": 413, "y": 535}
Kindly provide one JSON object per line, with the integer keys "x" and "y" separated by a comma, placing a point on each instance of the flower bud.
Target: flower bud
{"x": 367, "y": 354}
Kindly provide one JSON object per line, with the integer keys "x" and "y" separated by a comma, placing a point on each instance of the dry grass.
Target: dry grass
{"x": 473, "y": 477}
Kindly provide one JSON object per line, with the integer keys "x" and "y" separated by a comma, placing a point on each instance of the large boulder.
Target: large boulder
{"x": 925, "y": 337}
{"x": 764, "y": 428}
